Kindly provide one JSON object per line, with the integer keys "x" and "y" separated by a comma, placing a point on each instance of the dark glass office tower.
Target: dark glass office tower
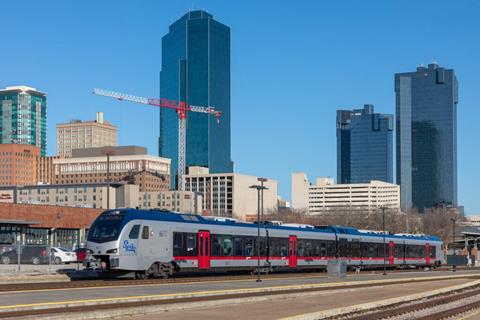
{"x": 364, "y": 146}
{"x": 426, "y": 112}
{"x": 196, "y": 70}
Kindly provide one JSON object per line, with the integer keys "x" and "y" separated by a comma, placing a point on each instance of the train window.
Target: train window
{"x": 215, "y": 245}
{"x": 145, "y": 232}
{"x": 134, "y": 232}
{"x": 238, "y": 246}
{"x": 432, "y": 252}
{"x": 323, "y": 249}
{"x": 184, "y": 244}
{"x": 364, "y": 249}
{"x": 177, "y": 240}
{"x": 331, "y": 249}
{"x": 308, "y": 248}
{"x": 274, "y": 247}
{"x": 371, "y": 250}
{"x": 227, "y": 245}
{"x": 355, "y": 248}
{"x": 249, "y": 245}
{"x": 342, "y": 247}
{"x": 284, "y": 247}
{"x": 301, "y": 248}
{"x": 191, "y": 242}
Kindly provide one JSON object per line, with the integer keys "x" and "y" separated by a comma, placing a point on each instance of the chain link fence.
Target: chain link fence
{"x": 37, "y": 259}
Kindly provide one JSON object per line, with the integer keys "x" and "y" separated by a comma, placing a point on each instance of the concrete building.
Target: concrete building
{"x": 196, "y": 70}
{"x": 45, "y": 171}
{"x": 85, "y": 134}
{"x": 128, "y": 164}
{"x": 75, "y": 195}
{"x": 94, "y": 196}
{"x": 426, "y": 124}
{"x": 282, "y": 203}
{"x": 324, "y": 195}
{"x": 24, "y": 117}
{"x": 18, "y": 164}
{"x": 228, "y": 194}
{"x": 178, "y": 201}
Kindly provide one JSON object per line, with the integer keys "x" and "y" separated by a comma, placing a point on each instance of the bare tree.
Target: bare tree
{"x": 436, "y": 221}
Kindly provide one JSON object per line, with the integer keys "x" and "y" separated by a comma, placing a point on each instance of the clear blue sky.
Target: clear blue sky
{"x": 293, "y": 64}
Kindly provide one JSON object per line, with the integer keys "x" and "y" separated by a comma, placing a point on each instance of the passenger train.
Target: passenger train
{"x": 156, "y": 243}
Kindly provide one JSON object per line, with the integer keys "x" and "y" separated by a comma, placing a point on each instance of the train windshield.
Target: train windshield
{"x": 106, "y": 228}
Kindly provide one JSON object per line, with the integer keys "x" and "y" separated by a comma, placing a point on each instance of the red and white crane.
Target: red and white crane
{"x": 181, "y": 108}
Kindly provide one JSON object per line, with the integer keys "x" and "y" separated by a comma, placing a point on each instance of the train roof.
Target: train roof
{"x": 165, "y": 215}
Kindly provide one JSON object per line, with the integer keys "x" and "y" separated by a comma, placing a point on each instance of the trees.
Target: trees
{"x": 436, "y": 221}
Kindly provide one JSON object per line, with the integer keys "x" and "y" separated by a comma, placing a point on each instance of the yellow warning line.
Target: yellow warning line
{"x": 154, "y": 284}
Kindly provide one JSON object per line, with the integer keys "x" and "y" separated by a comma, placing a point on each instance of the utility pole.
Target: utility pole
{"x": 454, "y": 266}
{"x": 260, "y": 189}
{"x": 108, "y": 152}
{"x": 384, "y": 244}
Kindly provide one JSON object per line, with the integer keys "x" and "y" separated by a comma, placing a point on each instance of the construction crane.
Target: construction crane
{"x": 181, "y": 108}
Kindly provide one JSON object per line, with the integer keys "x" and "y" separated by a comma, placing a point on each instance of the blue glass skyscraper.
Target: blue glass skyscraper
{"x": 364, "y": 146}
{"x": 196, "y": 70}
{"x": 426, "y": 117}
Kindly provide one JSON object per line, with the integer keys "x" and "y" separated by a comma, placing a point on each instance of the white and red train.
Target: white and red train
{"x": 159, "y": 243}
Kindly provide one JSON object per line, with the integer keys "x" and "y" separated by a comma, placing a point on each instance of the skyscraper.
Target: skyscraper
{"x": 364, "y": 146}
{"x": 23, "y": 117}
{"x": 426, "y": 112}
{"x": 196, "y": 70}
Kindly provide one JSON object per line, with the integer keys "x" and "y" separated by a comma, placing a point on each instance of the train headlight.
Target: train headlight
{"x": 112, "y": 251}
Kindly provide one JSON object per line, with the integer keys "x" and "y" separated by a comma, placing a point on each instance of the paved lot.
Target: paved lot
{"x": 36, "y": 269}
{"x": 281, "y": 308}
{"x": 90, "y": 294}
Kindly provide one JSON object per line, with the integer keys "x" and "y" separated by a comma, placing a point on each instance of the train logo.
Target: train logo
{"x": 129, "y": 247}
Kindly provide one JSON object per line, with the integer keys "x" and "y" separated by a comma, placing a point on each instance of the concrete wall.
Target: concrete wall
{"x": 300, "y": 189}
{"x": 245, "y": 199}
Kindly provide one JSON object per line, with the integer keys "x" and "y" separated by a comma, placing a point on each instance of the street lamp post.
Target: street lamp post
{"x": 262, "y": 180}
{"x": 454, "y": 266}
{"x": 384, "y": 244}
{"x": 260, "y": 189}
{"x": 108, "y": 152}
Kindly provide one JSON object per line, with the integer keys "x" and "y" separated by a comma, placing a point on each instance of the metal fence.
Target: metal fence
{"x": 19, "y": 258}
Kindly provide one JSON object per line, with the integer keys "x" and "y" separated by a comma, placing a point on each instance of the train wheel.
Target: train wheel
{"x": 140, "y": 275}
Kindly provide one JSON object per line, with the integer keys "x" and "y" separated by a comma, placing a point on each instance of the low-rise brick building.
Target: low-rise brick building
{"x": 48, "y": 225}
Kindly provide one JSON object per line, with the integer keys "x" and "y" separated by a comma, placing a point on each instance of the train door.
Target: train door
{"x": 292, "y": 251}
{"x": 204, "y": 249}
{"x": 427, "y": 253}
{"x": 391, "y": 253}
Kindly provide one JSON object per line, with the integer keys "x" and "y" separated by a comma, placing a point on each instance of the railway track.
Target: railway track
{"x": 58, "y": 311}
{"x": 10, "y": 287}
{"x": 445, "y": 306}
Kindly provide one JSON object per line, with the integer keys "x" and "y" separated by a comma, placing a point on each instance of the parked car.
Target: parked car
{"x": 62, "y": 255}
{"x": 81, "y": 253}
{"x": 28, "y": 254}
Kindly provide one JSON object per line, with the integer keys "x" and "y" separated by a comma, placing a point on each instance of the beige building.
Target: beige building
{"x": 325, "y": 195}
{"x": 88, "y": 196}
{"x": 86, "y": 134}
{"x": 95, "y": 196}
{"x": 45, "y": 173}
{"x": 229, "y": 194}
{"x": 179, "y": 201}
{"x": 128, "y": 164}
